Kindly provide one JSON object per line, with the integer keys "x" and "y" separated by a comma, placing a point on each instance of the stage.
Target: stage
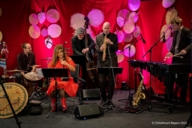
{"x": 114, "y": 118}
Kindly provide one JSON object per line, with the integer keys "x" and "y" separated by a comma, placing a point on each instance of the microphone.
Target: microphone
{"x": 143, "y": 40}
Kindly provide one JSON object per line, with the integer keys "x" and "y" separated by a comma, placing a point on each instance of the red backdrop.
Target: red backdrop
{"x": 14, "y": 25}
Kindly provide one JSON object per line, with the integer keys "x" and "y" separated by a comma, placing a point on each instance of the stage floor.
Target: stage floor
{"x": 158, "y": 116}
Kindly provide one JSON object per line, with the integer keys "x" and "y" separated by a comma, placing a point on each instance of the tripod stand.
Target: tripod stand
{"x": 55, "y": 72}
{"x": 6, "y": 96}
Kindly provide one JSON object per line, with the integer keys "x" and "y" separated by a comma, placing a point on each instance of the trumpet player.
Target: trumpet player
{"x": 106, "y": 41}
{"x": 180, "y": 46}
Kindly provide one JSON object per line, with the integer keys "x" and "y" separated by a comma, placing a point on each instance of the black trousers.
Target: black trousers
{"x": 103, "y": 82}
{"x": 181, "y": 80}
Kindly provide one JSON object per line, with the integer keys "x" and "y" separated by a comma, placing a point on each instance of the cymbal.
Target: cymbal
{"x": 15, "y": 70}
{"x": 35, "y": 66}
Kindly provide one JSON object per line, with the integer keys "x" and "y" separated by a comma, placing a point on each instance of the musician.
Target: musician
{"x": 4, "y": 50}
{"x": 78, "y": 46}
{"x": 25, "y": 62}
{"x": 61, "y": 60}
{"x": 112, "y": 43}
{"x": 180, "y": 46}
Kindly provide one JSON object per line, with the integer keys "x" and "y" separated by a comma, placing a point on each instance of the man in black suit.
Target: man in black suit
{"x": 105, "y": 41}
{"x": 180, "y": 46}
{"x": 80, "y": 49}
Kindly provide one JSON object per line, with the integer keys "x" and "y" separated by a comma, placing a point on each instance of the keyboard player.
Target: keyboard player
{"x": 181, "y": 47}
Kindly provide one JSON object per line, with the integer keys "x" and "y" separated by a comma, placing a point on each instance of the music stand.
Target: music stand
{"x": 55, "y": 72}
{"x": 107, "y": 70}
{"x": 79, "y": 59}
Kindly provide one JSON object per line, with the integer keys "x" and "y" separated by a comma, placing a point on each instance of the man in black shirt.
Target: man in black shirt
{"x": 25, "y": 62}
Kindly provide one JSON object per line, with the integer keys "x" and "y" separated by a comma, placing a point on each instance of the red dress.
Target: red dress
{"x": 70, "y": 87}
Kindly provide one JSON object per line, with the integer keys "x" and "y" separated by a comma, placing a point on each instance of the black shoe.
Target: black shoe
{"x": 103, "y": 102}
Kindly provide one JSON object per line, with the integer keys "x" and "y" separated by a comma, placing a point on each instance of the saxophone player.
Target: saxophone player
{"x": 104, "y": 40}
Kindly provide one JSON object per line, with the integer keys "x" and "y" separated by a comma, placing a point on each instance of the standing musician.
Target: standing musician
{"x": 61, "y": 60}
{"x": 78, "y": 46}
{"x": 104, "y": 40}
{"x": 180, "y": 46}
{"x": 4, "y": 50}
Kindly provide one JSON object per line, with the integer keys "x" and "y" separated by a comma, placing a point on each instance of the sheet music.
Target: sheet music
{"x": 39, "y": 72}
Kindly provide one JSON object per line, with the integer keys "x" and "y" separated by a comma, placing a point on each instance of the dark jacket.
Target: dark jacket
{"x": 185, "y": 43}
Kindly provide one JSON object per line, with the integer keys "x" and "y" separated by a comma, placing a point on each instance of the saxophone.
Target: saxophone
{"x": 104, "y": 50}
{"x": 139, "y": 94}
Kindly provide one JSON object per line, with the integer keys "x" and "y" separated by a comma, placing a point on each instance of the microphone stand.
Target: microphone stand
{"x": 150, "y": 60}
{"x": 110, "y": 70}
{"x": 130, "y": 108}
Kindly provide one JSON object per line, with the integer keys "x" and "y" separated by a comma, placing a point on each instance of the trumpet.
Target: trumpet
{"x": 104, "y": 50}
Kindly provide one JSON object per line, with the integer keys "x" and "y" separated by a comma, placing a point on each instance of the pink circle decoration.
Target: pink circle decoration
{"x": 169, "y": 43}
{"x": 128, "y": 37}
{"x": 54, "y": 30}
{"x": 48, "y": 42}
{"x": 167, "y": 3}
{"x": 136, "y": 31}
{"x": 120, "y": 36}
{"x": 1, "y": 36}
{"x": 171, "y": 13}
{"x": 52, "y": 15}
{"x": 44, "y": 32}
{"x": 133, "y": 5}
{"x": 34, "y": 31}
{"x": 124, "y": 13}
{"x": 132, "y": 50}
{"x": 33, "y": 19}
{"x": 129, "y": 26}
{"x": 77, "y": 20}
{"x": 120, "y": 56}
{"x": 120, "y": 21}
{"x": 41, "y": 17}
{"x": 96, "y": 17}
{"x": 167, "y": 30}
{"x": 134, "y": 16}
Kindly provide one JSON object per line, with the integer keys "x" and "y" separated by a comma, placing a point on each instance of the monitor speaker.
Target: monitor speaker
{"x": 88, "y": 110}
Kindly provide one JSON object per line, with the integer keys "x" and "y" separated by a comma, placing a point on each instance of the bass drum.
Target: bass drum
{"x": 18, "y": 97}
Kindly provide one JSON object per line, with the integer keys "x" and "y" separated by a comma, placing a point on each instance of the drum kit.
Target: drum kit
{"x": 16, "y": 93}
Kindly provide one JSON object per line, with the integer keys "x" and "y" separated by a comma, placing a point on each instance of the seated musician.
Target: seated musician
{"x": 61, "y": 60}
{"x": 111, "y": 40}
{"x": 180, "y": 46}
{"x": 25, "y": 63}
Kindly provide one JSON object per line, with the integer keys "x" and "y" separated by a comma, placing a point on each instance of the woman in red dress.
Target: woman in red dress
{"x": 61, "y": 60}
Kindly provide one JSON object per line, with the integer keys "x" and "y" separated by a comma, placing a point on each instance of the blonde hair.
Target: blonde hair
{"x": 55, "y": 57}
{"x": 176, "y": 20}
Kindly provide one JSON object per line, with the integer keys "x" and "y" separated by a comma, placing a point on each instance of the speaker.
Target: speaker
{"x": 93, "y": 94}
{"x": 88, "y": 110}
